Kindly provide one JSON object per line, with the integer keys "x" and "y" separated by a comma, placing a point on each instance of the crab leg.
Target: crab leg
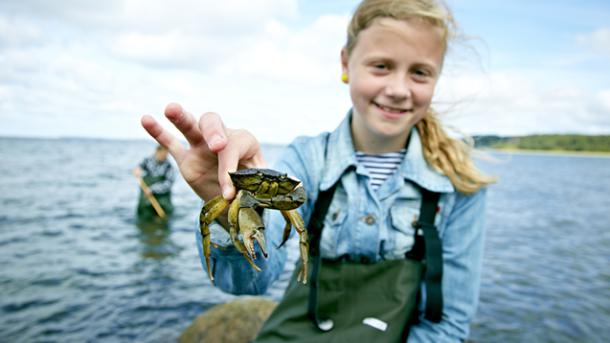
{"x": 297, "y": 221}
{"x": 287, "y": 228}
{"x": 239, "y": 204}
{"x": 210, "y": 211}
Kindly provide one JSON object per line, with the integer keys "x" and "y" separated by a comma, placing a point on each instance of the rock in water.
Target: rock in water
{"x": 237, "y": 321}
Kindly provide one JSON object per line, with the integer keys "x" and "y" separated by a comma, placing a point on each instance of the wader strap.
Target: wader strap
{"x": 315, "y": 233}
{"x": 433, "y": 256}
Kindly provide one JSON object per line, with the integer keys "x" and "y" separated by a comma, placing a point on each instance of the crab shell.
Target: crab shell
{"x": 252, "y": 178}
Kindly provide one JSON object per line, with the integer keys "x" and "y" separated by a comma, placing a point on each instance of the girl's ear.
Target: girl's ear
{"x": 344, "y": 60}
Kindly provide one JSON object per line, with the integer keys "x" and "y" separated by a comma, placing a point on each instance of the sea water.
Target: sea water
{"x": 77, "y": 267}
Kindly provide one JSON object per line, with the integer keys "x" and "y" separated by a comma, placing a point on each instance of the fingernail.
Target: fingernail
{"x": 226, "y": 193}
{"x": 217, "y": 139}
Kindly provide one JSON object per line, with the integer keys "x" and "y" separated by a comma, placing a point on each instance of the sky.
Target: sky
{"x": 93, "y": 68}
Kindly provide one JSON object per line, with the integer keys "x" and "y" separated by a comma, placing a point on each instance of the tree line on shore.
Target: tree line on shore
{"x": 555, "y": 142}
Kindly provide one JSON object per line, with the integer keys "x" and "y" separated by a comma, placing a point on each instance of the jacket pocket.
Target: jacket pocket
{"x": 402, "y": 234}
{"x": 333, "y": 223}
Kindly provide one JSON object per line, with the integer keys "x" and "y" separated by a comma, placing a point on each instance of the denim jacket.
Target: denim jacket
{"x": 372, "y": 224}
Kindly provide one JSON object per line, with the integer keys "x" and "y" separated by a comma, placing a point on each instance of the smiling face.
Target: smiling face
{"x": 392, "y": 69}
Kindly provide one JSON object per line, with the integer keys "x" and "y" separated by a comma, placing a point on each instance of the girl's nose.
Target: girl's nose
{"x": 398, "y": 88}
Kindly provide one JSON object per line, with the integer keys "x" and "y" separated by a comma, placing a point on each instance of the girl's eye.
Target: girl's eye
{"x": 381, "y": 66}
{"x": 421, "y": 74}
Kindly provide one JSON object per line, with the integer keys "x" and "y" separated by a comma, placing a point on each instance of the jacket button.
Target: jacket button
{"x": 370, "y": 219}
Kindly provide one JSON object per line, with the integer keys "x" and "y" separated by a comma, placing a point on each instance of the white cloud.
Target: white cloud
{"x": 603, "y": 101}
{"x": 166, "y": 49}
{"x": 155, "y": 15}
{"x": 513, "y": 102}
{"x": 598, "y": 41}
{"x": 93, "y": 68}
{"x": 18, "y": 31}
{"x": 310, "y": 54}
{"x": 236, "y": 57}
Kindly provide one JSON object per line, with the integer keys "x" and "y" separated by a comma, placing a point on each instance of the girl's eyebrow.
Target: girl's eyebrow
{"x": 377, "y": 57}
{"x": 383, "y": 58}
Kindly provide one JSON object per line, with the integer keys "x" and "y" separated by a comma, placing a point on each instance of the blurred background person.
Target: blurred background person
{"x": 156, "y": 176}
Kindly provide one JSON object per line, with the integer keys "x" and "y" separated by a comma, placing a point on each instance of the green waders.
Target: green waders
{"x": 145, "y": 210}
{"x": 374, "y": 311}
{"x": 349, "y": 301}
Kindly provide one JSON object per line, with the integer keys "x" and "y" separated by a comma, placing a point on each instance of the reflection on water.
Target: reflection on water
{"x": 155, "y": 238}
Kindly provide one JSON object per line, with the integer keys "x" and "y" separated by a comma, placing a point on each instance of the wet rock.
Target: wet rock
{"x": 237, "y": 321}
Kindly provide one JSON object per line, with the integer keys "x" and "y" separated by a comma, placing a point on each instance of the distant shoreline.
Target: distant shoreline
{"x": 482, "y": 143}
{"x": 549, "y": 152}
{"x": 555, "y": 144}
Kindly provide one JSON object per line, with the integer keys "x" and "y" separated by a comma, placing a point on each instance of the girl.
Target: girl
{"x": 395, "y": 206}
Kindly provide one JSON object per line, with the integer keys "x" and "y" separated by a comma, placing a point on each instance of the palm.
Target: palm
{"x": 199, "y": 167}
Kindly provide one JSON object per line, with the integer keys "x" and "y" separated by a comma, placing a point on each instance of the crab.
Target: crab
{"x": 256, "y": 189}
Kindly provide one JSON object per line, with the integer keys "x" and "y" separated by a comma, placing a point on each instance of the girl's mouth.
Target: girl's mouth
{"x": 391, "y": 112}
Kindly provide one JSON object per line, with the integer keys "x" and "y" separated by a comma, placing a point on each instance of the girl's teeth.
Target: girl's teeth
{"x": 390, "y": 109}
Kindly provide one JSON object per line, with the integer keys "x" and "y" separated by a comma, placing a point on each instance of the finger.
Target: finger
{"x": 242, "y": 146}
{"x": 163, "y": 137}
{"x": 185, "y": 122}
{"x": 213, "y": 131}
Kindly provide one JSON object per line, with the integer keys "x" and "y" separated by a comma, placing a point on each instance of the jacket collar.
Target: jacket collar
{"x": 415, "y": 168}
{"x": 341, "y": 155}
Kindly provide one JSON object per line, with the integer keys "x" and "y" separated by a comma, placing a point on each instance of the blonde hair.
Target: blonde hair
{"x": 450, "y": 156}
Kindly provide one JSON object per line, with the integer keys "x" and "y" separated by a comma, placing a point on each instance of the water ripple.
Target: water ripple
{"x": 77, "y": 267}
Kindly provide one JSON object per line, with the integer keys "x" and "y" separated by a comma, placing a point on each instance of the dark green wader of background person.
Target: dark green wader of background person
{"x": 145, "y": 210}
{"x": 367, "y": 302}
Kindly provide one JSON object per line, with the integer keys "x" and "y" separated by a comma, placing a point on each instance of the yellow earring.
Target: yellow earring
{"x": 344, "y": 78}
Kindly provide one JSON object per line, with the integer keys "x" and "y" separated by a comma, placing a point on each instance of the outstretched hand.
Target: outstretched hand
{"x": 213, "y": 150}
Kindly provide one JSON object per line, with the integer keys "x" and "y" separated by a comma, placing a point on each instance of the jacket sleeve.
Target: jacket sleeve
{"x": 232, "y": 272}
{"x": 462, "y": 240}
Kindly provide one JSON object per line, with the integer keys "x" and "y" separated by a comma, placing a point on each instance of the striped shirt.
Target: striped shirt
{"x": 380, "y": 166}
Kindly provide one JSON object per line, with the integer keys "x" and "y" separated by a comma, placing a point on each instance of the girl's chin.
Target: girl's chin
{"x": 390, "y": 131}
{"x": 378, "y": 125}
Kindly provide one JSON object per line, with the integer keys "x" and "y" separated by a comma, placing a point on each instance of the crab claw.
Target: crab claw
{"x": 252, "y": 229}
{"x": 258, "y": 236}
